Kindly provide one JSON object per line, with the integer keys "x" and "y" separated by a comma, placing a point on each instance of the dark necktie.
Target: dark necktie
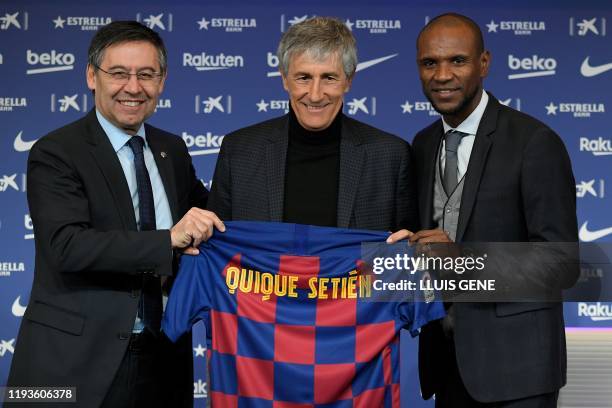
{"x": 150, "y": 307}
{"x": 452, "y": 140}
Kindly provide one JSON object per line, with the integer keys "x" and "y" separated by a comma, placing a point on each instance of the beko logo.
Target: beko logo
{"x": 52, "y": 61}
{"x": 535, "y": 66}
{"x": 207, "y": 143}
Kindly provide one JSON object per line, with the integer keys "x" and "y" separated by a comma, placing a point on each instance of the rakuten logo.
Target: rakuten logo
{"x": 210, "y": 62}
{"x": 596, "y": 311}
{"x": 535, "y": 66}
{"x": 599, "y": 146}
{"x": 53, "y": 61}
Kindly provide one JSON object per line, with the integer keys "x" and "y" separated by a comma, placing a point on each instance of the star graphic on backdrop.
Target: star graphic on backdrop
{"x": 492, "y": 26}
{"x": 551, "y": 109}
{"x": 349, "y": 24}
{"x": 199, "y": 351}
{"x": 262, "y": 106}
{"x": 59, "y": 22}
{"x": 203, "y": 23}
{"x": 407, "y": 107}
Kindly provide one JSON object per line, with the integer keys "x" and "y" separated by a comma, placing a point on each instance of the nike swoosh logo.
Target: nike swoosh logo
{"x": 17, "y": 309}
{"x": 21, "y": 146}
{"x": 587, "y": 236}
{"x": 589, "y": 71}
{"x": 361, "y": 66}
{"x": 368, "y": 64}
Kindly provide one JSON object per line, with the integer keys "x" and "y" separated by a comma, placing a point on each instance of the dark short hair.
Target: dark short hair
{"x": 124, "y": 31}
{"x": 447, "y": 19}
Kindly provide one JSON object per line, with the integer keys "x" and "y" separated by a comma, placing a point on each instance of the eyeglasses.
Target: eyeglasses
{"x": 122, "y": 77}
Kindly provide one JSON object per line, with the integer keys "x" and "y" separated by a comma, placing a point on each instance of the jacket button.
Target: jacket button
{"x": 123, "y": 335}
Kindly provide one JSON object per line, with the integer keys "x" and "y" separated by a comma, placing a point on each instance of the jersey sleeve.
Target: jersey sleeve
{"x": 189, "y": 300}
{"x": 416, "y": 314}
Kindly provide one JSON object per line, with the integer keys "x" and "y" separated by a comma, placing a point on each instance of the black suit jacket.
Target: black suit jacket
{"x": 376, "y": 190}
{"x": 519, "y": 187}
{"x": 89, "y": 259}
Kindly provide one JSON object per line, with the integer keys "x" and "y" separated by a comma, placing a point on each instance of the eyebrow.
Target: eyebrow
{"x": 126, "y": 69}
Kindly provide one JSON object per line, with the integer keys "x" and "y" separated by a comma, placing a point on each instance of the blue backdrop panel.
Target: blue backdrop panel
{"x": 552, "y": 60}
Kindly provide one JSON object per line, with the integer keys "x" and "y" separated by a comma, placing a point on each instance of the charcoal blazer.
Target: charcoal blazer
{"x": 90, "y": 257}
{"x": 375, "y": 191}
{"x": 518, "y": 187}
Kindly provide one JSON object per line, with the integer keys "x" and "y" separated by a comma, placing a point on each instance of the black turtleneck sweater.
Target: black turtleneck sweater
{"x": 311, "y": 174}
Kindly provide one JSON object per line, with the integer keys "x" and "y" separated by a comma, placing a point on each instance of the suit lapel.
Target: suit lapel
{"x": 426, "y": 192}
{"x": 276, "y": 157}
{"x": 352, "y": 157}
{"x": 164, "y": 162}
{"x": 105, "y": 157}
{"x": 478, "y": 159}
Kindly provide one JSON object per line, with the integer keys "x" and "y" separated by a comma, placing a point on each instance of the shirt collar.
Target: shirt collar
{"x": 470, "y": 124}
{"x": 118, "y": 137}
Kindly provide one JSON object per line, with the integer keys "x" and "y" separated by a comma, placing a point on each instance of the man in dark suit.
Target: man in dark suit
{"x": 111, "y": 198}
{"x": 315, "y": 165}
{"x": 487, "y": 173}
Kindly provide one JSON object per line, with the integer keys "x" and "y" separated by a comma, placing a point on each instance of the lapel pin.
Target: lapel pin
{"x": 163, "y": 155}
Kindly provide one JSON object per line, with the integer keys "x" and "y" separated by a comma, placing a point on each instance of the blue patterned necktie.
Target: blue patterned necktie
{"x": 452, "y": 140}
{"x": 150, "y": 306}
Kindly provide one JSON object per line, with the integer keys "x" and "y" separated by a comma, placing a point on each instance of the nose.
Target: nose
{"x": 132, "y": 85}
{"x": 315, "y": 92}
{"x": 443, "y": 73}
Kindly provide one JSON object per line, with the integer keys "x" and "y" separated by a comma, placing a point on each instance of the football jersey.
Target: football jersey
{"x": 288, "y": 318}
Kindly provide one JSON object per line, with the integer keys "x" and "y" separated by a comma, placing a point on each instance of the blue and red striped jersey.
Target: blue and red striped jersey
{"x": 289, "y": 322}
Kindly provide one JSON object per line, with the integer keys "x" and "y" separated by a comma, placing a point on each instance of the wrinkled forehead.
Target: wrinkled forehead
{"x": 315, "y": 56}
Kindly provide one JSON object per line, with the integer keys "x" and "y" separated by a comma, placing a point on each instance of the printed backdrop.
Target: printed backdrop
{"x": 552, "y": 60}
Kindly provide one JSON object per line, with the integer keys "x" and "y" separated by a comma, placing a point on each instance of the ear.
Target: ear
{"x": 284, "y": 78}
{"x": 162, "y": 82}
{"x": 485, "y": 61}
{"x": 349, "y": 83}
{"x": 91, "y": 78}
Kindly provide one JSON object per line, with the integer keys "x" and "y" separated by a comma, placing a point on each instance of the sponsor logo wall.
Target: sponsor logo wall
{"x": 223, "y": 75}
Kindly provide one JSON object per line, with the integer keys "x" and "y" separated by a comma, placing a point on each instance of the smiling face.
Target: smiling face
{"x": 126, "y": 105}
{"x": 316, "y": 89}
{"x": 451, "y": 68}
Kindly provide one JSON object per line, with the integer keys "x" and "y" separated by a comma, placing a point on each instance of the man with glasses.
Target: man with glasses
{"x": 111, "y": 199}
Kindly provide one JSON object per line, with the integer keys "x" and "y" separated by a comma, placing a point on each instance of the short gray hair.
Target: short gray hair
{"x": 319, "y": 37}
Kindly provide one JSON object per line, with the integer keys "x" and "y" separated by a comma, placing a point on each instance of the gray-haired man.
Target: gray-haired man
{"x": 315, "y": 165}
